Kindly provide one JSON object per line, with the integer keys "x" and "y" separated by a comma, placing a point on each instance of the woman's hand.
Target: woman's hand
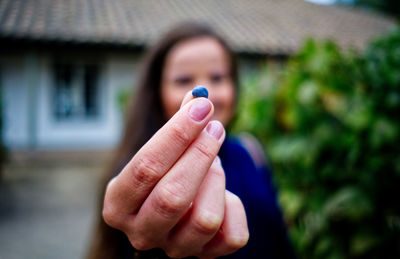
{"x": 172, "y": 193}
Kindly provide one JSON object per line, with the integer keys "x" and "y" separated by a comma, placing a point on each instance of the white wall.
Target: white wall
{"x": 15, "y": 102}
{"x": 25, "y": 128}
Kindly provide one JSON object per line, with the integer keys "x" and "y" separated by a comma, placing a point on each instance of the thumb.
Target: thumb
{"x": 188, "y": 97}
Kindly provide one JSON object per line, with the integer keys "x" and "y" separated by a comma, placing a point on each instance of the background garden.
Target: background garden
{"x": 329, "y": 122}
{"x": 327, "y": 117}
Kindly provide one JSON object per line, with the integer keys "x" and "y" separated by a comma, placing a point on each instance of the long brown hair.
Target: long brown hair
{"x": 145, "y": 117}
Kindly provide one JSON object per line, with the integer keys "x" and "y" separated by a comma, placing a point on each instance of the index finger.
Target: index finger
{"x": 158, "y": 155}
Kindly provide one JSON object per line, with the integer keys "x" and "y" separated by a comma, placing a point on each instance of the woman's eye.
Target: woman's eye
{"x": 217, "y": 78}
{"x": 183, "y": 81}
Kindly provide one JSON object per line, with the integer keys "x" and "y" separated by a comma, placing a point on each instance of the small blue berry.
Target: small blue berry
{"x": 200, "y": 91}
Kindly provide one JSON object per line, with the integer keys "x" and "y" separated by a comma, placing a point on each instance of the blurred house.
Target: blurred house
{"x": 63, "y": 64}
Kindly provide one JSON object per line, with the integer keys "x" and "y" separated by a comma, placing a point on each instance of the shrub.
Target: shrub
{"x": 330, "y": 124}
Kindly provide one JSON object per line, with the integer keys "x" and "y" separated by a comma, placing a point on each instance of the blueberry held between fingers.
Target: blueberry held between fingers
{"x": 200, "y": 91}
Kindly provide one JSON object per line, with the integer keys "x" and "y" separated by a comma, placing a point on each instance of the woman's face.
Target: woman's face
{"x": 198, "y": 61}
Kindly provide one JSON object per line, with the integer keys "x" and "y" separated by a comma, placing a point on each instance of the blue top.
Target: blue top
{"x": 253, "y": 185}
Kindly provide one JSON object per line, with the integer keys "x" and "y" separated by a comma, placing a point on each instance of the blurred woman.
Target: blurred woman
{"x": 179, "y": 184}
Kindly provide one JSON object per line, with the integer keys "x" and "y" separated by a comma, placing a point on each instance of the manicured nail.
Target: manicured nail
{"x": 200, "y": 91}
{"x": 215, "y": 129}
{"x": 200, "y": 109}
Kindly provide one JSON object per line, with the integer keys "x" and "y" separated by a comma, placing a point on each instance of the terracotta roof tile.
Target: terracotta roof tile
{"x": 254, "y": 26}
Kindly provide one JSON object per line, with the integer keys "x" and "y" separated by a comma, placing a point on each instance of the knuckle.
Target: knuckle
{"x": 169, "y": 201}
{"x": 207, "y": 223}
{"x": 111, "y": 217}
{"x": 146, "y": 171}
{"x": 233, "y": 243}
{"x": 173, "y": 252}
{"x": 204, "y": 151}
{"x": 218, "y": 172}
{"x": 110, "y": 212}
{"x": 179, "y": 135}
{"x": 233, "y": 199}
{"x": 141, "y": 243}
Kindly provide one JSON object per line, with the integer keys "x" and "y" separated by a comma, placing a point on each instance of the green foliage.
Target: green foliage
{"x": 330, "y": 124}
{"x": 123, "y": 98}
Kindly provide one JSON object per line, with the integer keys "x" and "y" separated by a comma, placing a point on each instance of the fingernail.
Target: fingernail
{"x": 200, "y": 109}
{"x": 215, "y": 129}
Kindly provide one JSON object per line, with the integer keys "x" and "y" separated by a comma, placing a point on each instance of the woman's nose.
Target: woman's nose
{"x": 207, "y": 83}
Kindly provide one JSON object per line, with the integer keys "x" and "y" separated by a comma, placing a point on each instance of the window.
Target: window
{"x": 76, "y": 91}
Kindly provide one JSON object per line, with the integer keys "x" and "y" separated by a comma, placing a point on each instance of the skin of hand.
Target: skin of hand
{"x": 172, "y": 193}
